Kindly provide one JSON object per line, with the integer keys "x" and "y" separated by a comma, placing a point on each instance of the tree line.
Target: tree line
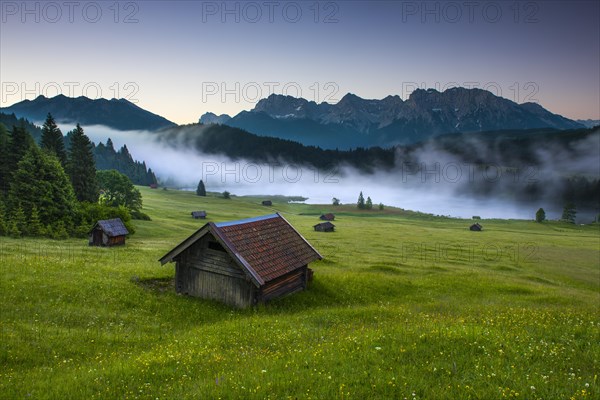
{"x": 507, "y": 150}
{"x": 105, "y": 155}
{"x": 55, "y": 190}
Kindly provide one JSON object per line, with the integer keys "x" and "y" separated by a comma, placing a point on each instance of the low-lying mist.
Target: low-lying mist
{"x": 429, "y": 180}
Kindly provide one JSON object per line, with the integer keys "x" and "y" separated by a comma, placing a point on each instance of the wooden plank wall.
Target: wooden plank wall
{"x": 292, "y": 282}
{"x": 212, "y": 274}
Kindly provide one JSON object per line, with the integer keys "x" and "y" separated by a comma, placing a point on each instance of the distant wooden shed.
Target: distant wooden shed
{"x": 324, "y": 227}
{"x": 476, "y": 227}
{"x": 244, "y": 262}
{"x": 153, "y": 186}
{"x": 327, "y": 217}
{"x": 108, "y": 232}
{"x": 267, "y": 203}
{"x": 199, "y": 214}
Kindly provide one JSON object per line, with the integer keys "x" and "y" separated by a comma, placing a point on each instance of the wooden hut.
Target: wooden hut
{"x": 267, "y": 203}
{"x": 242, "y": 263}
{"x": 327, "y": 217}
{"x": 199, "y": 214}
{"x": 476, "y": 227}
{"x": 153, "y": 186}
{"x": 109, "y": 232}
{"x": 324, "y": 227}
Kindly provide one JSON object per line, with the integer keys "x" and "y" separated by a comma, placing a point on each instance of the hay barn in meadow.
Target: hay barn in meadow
{"x": 108, "y": 232}
{"x": 476, "y": 227}
{"x": 327, "y": 217}
{"x": 244, "y": 262}
{"x": 324, "y": 227}
{"x": 267, "y": 203}
{"x": 199, "y": 214}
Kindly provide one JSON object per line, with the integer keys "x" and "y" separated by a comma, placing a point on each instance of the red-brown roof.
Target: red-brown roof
{"x": 267, "y": 247}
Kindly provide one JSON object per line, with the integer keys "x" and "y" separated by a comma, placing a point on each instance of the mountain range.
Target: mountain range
{"x": 351, "y": 123}
{"x": 357, "y": 122}
{"x": 119, "y": 114}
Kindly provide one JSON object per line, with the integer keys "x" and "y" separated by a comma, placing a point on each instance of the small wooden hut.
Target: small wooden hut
{"x": 267, "y": 203}
{"x": 476, "y": 227}
{"x": 108, "y": 232}
{"x": 324, "y": 227}
{"x": 327, "y": 217}
{"x": 243, "y": 263}
{"x": 199, "y": 214}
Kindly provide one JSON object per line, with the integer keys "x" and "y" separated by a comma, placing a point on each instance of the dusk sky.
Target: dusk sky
{"x": 180, "y": 59}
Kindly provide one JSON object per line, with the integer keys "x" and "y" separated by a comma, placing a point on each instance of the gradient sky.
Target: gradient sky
{"x": 181, "y": 59}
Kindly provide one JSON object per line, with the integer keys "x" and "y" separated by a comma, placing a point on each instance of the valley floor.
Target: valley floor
{"x": 403, "y": 305}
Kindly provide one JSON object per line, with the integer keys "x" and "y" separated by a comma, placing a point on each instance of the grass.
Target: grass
{"x": 404, "y": 305}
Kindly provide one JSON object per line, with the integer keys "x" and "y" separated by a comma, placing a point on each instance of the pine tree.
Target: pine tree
{"x": 361, "y": 201}
{"x": 20, "y": 142}
{"x": 18, "y": 223}
{"x": 110, "y": 146}
{"x": 569, "y": 213}
{"x": 369, "y": 204}
{"x": 151, "y": 177}
{"x": 35, "y": 227}
{"x": 201, "y": 190}
{"x": 540, "y": 215}
{"x": 41, "y": 185}
{"x": 4, "y": 160}
{"x": 53, "y": 141}
{"x": 81, "y": 166}
{"x": 3, "y": 220}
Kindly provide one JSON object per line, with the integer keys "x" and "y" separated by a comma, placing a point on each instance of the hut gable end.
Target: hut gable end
{"x": 109, "y": 232}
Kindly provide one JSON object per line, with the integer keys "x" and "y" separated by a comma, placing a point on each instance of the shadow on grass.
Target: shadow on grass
{"x": 158, "y": 285}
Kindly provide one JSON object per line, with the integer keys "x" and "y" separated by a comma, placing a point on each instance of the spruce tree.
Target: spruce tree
{"x": 3, "y": 219}
{"x": 540, "y": 215}
{"x": 81, "y": 166}
{"x": 18, "y": 224}
{"x": 110, "y": 146}
{"x": 35, "y": 227}
{"x": 201, "y": 190}
{"x": 151, "y": 177}
{"x": 53, "y": 141}
{"x": 569, "y": 213}
{"x": 369, "y": 204}
{"x": 4, "y": 160}
{"x": 40, "y": 186}
{"x": 20, "y": 142}
{"x": 361, "y": 201}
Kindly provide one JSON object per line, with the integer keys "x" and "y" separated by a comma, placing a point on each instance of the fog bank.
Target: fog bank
{"x": 436, "y": 183}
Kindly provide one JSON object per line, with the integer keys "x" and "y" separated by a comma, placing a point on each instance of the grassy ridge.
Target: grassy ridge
{"x": 403, "y": 306}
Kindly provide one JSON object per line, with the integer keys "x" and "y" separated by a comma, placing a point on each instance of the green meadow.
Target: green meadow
{"x": 403, "y": 306}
